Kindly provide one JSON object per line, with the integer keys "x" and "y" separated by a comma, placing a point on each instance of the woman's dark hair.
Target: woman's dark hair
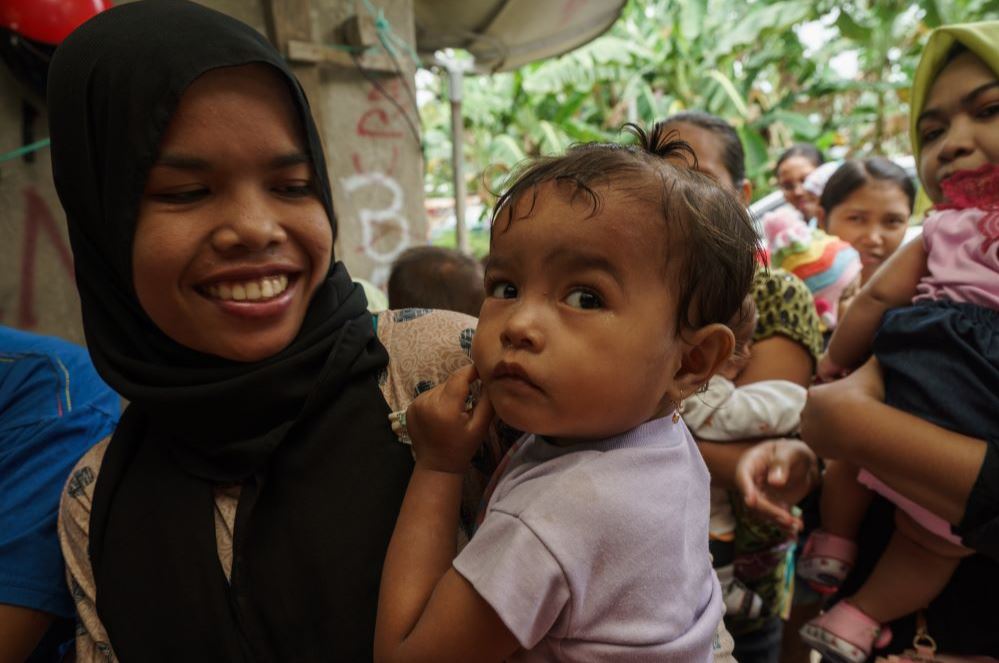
{"x": 733, "y": 156}
{"x": 954, "y": 51}
{"x": 855, "y": 173}
{"x": 806, "y": 150}
{"x": 708, "y": 235}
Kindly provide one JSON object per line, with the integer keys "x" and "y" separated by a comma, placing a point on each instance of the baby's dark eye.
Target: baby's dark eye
{"x": 503, "y": 290}
{"x": 584, "y": 299}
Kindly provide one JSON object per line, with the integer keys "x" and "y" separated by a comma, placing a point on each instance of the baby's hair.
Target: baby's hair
{"x": 743, "y": 324}
{"x": 855, "y": 173}
{"x": 733, "y": 155}
{"x": 806, "y": 150}
{"x": 715, "y": 266}
{"x": 436, "y": 277}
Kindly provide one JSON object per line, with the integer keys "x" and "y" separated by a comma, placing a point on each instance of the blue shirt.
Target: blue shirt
{"x": 53, "y": 408}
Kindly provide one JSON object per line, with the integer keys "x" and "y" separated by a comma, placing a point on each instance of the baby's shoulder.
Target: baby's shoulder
{"x": 613, "y": 487}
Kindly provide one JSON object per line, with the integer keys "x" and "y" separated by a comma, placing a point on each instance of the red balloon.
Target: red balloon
{"x": 48, "y": 21}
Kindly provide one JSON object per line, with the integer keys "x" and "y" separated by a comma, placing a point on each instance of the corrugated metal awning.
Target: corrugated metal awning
{"x": 505, "y": 34}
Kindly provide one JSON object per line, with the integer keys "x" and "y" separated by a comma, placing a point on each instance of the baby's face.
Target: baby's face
{"x": 232, "y": 239}
{"x": 576, "y": 338}
{"x": 959, "y": 124}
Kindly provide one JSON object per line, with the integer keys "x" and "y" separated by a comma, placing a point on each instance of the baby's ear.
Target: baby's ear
{"x": 705, "y": 350}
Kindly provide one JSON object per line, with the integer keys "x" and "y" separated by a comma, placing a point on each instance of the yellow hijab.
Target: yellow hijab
{"x": 982, "y": 39}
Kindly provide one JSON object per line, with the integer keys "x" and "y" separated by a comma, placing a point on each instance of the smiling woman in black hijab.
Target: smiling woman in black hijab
{"x": 201, "y": 221}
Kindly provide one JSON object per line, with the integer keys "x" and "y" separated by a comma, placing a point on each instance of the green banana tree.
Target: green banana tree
{"x": 758, "y": 63}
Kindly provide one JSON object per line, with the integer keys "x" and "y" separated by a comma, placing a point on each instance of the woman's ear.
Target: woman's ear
{"x": 705, "y": 350}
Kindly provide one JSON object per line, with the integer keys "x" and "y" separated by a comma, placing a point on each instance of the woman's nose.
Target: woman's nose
{"x": 874, "y": 235}
{"x": 958, "y": 140}
{"x": 247, "y": 223}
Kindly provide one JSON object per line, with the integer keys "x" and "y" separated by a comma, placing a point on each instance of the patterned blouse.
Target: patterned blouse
{"x": 764, "y": 554}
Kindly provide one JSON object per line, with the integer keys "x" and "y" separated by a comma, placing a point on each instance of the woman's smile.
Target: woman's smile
{"x": 256, "y": 290}
{"x": 265, "y": 297}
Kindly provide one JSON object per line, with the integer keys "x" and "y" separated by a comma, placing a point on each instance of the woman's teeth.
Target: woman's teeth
{"x": 251, "y": 291}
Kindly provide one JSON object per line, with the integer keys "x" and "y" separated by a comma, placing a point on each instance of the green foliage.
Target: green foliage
{"x": 744, "y": 60}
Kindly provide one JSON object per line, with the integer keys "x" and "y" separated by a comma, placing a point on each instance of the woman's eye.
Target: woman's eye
{"x": 930, "y": 135}
{"x": 989, "y": 111}
{"x": 584, "y": 299}
{"x": 503, "y": 290}
{"x": 180, "y": 197}
{"x": 297, "y": 190}
{"x": 895, "y": 222}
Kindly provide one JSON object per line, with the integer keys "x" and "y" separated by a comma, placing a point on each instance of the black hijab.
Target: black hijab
{"x": 304, "y": 432}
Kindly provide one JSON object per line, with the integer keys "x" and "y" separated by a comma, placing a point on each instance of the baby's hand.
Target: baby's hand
{"x": 445, "y": 434}
{"x": 775, "y": 475}
{"x": 828, "y": 370}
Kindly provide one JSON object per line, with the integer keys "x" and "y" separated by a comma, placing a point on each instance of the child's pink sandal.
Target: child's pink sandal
{"x": 826, "y": 561}
{"x": 845, "y": 634}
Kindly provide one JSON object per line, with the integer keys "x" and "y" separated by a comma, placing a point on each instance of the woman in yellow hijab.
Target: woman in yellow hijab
{"x": 940, "y": 357}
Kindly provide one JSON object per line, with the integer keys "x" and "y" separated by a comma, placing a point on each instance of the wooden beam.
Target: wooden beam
{"x": 308, "y": 52}
{"x": 291, "y": 20}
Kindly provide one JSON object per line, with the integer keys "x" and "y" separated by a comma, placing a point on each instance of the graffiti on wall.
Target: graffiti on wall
{"x": 381, "y": 199}
{"x": 39, "y": 224}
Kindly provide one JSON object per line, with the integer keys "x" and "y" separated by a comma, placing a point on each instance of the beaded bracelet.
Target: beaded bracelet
{"x": 398, "y": 421}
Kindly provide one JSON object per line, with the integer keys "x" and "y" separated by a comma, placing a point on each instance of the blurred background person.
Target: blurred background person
{"x": 438, "y": 278}
{"x": 793, "y": 166}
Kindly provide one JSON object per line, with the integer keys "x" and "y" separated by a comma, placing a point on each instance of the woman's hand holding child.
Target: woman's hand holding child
{"x": 831, "y": 407}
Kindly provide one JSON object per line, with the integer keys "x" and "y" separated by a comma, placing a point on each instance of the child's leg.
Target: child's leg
{"x": 830, "y": 551}
{"x": 844, "y": 499}
{"x": 913, "y": 570}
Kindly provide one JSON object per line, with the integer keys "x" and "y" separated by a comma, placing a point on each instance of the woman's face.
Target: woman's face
{"x": 711, "y": 158}
{"x": 959, "y": 125}
{"x": 791, "y": 176}
{"x": 232, "y": 239}
{"x": 873, "y": 219}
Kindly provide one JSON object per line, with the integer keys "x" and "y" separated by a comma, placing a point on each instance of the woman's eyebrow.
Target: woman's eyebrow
{"x": 936, "y": 113}
{"x": 187, "y": 162}
{"x": 182, "y": 162}
{"x": 291, "y": 159}
{"x": 970, "y": 97}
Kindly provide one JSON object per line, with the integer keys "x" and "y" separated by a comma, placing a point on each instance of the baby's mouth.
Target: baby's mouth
{"x": 250, "y": 290}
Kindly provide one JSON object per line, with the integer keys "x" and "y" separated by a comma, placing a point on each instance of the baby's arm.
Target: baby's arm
{"x": 770, "y": 408}
{"x": 891, "y": 286}
{"x": 426, "y": 610}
